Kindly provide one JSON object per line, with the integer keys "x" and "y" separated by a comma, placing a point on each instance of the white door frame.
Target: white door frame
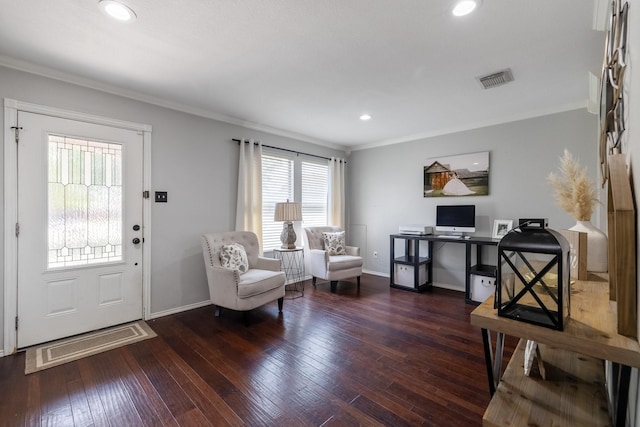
{"x": 11, "y": 108}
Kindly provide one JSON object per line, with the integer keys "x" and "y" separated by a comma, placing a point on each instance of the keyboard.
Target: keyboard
{"x": 450, "y": 236}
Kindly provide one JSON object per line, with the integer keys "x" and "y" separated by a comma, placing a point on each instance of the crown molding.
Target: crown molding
{"x": 51, "y": 73}
{"x": 472, "y": 126}
{"x": 137, "y": 96}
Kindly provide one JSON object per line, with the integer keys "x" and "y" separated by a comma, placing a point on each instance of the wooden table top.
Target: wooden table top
{"x": 591, "y": 329}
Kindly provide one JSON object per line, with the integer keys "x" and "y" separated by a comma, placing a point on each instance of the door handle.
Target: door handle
{"x": 136, "y": 241}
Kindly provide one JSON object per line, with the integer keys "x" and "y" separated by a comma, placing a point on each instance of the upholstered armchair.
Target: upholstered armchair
{"x": 237, "y": 283}
{"x": 332, "y": 263}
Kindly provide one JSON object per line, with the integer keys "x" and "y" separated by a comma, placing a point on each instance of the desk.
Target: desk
{"x": 591, "y": 330}
{"x": 412, "y": 257}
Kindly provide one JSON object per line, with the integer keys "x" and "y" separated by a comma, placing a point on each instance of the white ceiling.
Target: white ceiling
{"x": 309, "y": 69}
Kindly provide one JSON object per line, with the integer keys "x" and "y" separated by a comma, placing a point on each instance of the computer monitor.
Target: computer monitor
{"x": 456, "y": 218}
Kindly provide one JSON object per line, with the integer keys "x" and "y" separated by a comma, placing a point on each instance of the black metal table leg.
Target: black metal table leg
{"x": 622, "y": 399}
{"x": 488, "y": 357}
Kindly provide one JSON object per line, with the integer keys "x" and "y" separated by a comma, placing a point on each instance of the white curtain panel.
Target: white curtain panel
{"x": 335, "y": 205}
{"x": 249, "y": 202}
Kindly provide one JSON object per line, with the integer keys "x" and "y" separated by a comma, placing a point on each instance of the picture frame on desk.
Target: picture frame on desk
{"x": 501, "y": 227}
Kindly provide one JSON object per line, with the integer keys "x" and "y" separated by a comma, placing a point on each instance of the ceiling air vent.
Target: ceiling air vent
{"x": 496, "y": 79}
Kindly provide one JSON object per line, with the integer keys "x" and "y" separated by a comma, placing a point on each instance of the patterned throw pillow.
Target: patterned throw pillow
{"x": 334, "y": 243}
{"x": 234, "y": 257}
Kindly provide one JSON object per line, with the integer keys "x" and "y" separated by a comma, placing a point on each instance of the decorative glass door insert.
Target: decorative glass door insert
{"x": 84, "y": 202}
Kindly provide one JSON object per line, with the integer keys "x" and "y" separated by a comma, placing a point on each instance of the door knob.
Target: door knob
{"x": 136, "y": 227}
{"x": 136, "y": 241}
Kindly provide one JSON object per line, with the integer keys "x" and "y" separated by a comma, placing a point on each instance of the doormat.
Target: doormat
{"x": 69, "y": 349}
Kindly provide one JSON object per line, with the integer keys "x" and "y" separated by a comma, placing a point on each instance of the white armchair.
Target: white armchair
{"x": 262, "y": 283}
{"x": 330, "y": 267}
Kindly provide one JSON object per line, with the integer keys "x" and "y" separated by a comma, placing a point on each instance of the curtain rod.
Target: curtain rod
{"x": 290, "y": 151}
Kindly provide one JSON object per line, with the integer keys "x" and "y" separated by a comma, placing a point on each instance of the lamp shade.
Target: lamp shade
{"x": 288, "y": 211}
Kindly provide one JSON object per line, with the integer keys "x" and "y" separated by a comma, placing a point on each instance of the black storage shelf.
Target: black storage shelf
{"x": 411, "y": 260}
{"x": 484, "y": 270}
{"x": 419, "y": 264}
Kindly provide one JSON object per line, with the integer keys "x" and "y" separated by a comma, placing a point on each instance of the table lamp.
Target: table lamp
{"x": 288, "y": 212}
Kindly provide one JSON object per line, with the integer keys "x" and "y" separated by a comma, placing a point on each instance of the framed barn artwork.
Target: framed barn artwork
{"x": 460, "y": 175}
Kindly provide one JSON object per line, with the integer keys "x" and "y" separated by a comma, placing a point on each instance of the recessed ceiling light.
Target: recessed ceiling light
{"x": 117, "y": 10}
{"x": 365, "y": 117}
{"x": 465, "y": 7}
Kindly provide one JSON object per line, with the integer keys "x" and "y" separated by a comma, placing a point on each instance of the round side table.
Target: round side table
{"x": 292, "y": 262}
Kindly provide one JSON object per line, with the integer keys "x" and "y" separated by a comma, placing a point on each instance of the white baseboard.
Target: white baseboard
{"x": 178, "y": 309}
{"x": 1, "y": 353}
{"x": 376, "y": 273}
{"x": 448, "y": 286}
{"x": 435, "y": 284}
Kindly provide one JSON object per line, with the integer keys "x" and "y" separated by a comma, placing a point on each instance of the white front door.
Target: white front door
{"x": 80, "y": 215}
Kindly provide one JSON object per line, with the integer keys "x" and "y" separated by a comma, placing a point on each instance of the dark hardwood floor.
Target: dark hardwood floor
{"x": 380, "y": 356}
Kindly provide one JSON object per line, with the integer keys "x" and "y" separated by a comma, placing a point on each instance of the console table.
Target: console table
{"x": 591, "y": 331}
{"x": 412, "y": 257}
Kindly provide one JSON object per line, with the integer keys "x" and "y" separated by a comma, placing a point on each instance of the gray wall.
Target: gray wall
{"x": 193, "y": 159}
{"x": 385, "y": 184}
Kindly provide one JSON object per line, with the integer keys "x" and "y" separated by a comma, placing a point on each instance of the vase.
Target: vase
{"x": 597, "y": 246}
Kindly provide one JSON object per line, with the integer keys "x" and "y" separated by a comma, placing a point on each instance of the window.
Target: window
{"x": 315, "y": 183}
{"x": 297, "y": 178}
{"x": 277, "y": 186}
{"x": 84, "y": 202}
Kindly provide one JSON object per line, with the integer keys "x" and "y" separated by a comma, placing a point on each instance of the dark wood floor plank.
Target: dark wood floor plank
{"x": 435, "y": 389}
{"x": 205, "y": 399}
{"x": 80, "y": 410}
{"x": 375, "y": 356}
{"x": 172, "y": 394}
{"x": 279, "y": 371}
{"x": 336, "y": 379}
{"x": 144, "y": 404}
{"x": 54, "y": 397}
{"x": 113, "y": 392}
{"x": 379, "y": 413}
{"x": 98, "y": 411}
{"x": 359, "y": 369}
{"x": 150, "y": 394}
{"x": 101, "y": 411}
{"x": 248, "y": 395}
{"x": 33, "y": 412}
{"x": 12, "y": 392}
{"x": 222, "y": 378}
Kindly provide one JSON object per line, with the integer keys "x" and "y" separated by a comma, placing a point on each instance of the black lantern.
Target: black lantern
{"x": 533, "y": 275}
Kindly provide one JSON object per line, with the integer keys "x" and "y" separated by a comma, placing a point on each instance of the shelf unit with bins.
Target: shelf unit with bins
{"x": 411, "y": 271}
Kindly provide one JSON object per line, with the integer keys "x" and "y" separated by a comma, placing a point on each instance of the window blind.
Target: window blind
{"x": 314, "y": 193}
{"x": 277, "y": 186}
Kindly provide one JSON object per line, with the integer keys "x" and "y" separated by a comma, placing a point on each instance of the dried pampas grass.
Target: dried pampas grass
{"x": 575, "y": 193}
